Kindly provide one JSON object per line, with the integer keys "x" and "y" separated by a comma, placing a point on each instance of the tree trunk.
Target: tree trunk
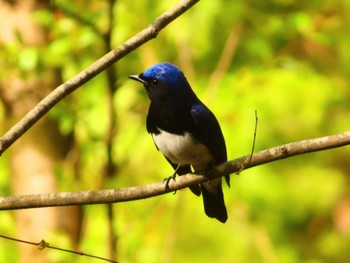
{"x": 35, "y": 156}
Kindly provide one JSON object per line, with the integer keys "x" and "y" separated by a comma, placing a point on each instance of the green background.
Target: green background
{"x": 289, "y": 60}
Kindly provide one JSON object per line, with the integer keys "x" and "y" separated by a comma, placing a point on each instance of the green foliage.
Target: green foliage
{"x": 291, "y": 64}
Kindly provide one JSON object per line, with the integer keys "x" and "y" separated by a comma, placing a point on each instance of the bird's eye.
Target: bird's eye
{"x": 154, "y": 82}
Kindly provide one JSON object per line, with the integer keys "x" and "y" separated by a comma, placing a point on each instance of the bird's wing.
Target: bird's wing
{"x": 209, "y": 133}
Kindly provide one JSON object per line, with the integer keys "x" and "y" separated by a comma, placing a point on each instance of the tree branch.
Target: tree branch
{"x": 91, "y": 71}
{"x": 146, "y": 191}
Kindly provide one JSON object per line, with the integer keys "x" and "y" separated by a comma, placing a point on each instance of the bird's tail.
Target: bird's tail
{"x": 213, "y": 198}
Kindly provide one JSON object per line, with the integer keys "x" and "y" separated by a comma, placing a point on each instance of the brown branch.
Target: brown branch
{"x": 150, "y": 190}
{"x": 91, "y": 71}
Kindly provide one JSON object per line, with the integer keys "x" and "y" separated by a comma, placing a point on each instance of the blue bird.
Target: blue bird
{"x": 185, "y": 131}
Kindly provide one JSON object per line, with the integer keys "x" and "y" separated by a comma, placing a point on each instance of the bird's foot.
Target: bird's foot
{"x": 173, "y": 176}
{"x": 167, "y": 180}
{"x": 208, "y": 171}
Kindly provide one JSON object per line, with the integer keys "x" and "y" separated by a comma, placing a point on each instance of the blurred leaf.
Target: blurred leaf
{"x": 28, "y": 59}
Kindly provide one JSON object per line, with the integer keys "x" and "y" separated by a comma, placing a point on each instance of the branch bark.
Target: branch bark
{"x": 150, "y": 190}
{"x": 91, "y": 71}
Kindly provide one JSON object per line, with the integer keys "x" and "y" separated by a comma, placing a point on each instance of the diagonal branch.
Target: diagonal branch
{"x": 91, "y": 71}
{"x": 150, "y": 190}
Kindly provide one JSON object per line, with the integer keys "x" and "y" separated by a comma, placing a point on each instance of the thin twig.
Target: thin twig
{"x": 150, "y": 190}
{"x": 253, "y": 146}
{"x": 91, "y": 71}
{"x": 43, "y": 244}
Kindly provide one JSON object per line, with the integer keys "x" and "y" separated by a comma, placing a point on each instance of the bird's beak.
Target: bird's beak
{"x": 138, "y": 78}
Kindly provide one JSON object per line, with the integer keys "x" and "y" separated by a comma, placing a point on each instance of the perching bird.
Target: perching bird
{"x": 185, "y": 131}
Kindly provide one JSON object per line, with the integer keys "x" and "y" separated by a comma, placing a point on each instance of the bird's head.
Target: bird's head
{"x": 163, "y": 81}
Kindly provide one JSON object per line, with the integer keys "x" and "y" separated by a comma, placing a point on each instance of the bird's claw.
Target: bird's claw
{"x": 208, "y": 172}
{"x": 167, "y": 180}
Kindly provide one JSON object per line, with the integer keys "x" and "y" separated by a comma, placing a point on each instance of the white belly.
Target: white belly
{"x": 183, "y": 149}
